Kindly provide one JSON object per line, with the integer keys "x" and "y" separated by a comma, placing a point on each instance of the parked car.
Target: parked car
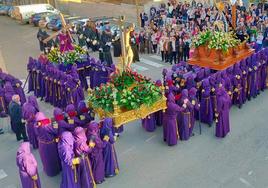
{"x": 56, "y": 25}
{"x": 4, "y": 9}
{"x": 35, "y": 18}
{"x": 24, "y": 12}
{"x": 10, "y": 11}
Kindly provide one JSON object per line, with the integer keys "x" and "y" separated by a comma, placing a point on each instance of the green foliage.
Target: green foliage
{"x": 128, "y": 90}
{"x": 69, "y": 57}
{"x": 216, "y": 40}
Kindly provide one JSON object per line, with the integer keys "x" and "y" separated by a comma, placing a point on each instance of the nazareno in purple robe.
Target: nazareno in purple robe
{"x": 149, "y": 123}
{"x": 9, "y": 92}
{"x": 237, "y": 82}
{"x": 82, "y": 150}
{"x": 263, "y": 61}
{"x": 84, "y": 113}
{"x": 33, "y": 101}
{"x": 70, "y": 176}
{"x": 196, "y": 107}
{"x": 47, "y": 142}
{"x": 30, "y": 66}
{"x": 60, "y": 122}
{"x": 62, "y": 91}
{"x": 244, "y": 79}
{"x": 159, "y": 114}
{"x": 252, "y": 76}
{"x": 223, "y": 110}
{"x": 228, "y": 81}
{"x": 3, "y": 107}
{"x": 72, "y": 116}
{"x": 184, "y": 117}
{"x": 75, "y": 92}
{"x": 27, "y": 167}
{"x": 213, "y": 96}
{"x": 170, "y": 127}
{"x": 28, "y": 114}
{"x": 109, "y": 153}
{"x": 97, "y": 153}
{"x": 17, "y": 86}
{"x": 205, "y": 103}
{"x": 258, "y": 76}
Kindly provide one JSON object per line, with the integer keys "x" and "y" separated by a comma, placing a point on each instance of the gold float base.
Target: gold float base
{"x": 122, "y": 117}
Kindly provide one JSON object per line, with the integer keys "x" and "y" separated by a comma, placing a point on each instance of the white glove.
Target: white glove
{"x": 81, "y": 36}
{"x": 94, "y": 42}
{"x": 88, "y": 40}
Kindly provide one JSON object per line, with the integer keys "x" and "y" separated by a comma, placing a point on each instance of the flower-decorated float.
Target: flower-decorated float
{"x": 218, "y": 50}
{"x": 128, "y": 95}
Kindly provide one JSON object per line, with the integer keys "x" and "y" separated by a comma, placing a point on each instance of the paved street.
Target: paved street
{"x": 238, "y": 161}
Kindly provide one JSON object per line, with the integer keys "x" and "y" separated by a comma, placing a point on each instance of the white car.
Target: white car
{"x": 23, "y": 13}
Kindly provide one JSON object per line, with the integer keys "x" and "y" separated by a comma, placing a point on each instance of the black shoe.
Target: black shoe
{"x": 110, "y": 176}
{"x": 100, "y": 182}
{"x": 192, "y": 134}
{"x": 19, "y": 139}
{"x": 25, "y": 139}
{"x": 1, "y": 131}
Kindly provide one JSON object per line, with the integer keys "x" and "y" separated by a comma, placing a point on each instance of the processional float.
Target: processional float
{"x": 128, "y": 96}
{"x": 220, "y": 49}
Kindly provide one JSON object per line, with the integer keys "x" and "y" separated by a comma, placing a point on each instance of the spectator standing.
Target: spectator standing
{"x": 15, "y": 112}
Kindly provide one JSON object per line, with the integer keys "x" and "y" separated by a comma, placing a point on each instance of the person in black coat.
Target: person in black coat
{"x": 133, "y": 44}
{"x": 117, "y": 46}
{"x": 91, "y": 35}
{"x": 42, "y": 35}
{"x": 15, "y": 112}
{"x": 105, "y": 47}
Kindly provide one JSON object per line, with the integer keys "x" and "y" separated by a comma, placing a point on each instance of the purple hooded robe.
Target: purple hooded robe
{"x": 82, "y": 150}
{"x": 28, "y": 114}
{"x": 263, "y": 76}
{"x": 70, "y": 176}
{"x": 205, "y": 103}
{"x": 61, "y": 123}
{"x": 223, "y": 109}
{"x": 149, "y": 123}
{"x": 72, "y": 116}
{"x": 184, "y": 117}
{"x": 17, "y": 86}
{"x": 47, "y": 145}
{"x": 196, "y": 107}
{"x": 252, "y": 76}
{"x": 244, "y": 79}
{"x": 213, "y": 96}
{"x": 27, "y": 167}
{"x": 237, "y": 82}
{"x": 170, "y": 127}
{"x": 109, "y": 153}
{"x": 97, "y": 153}
{"x": 9, "y": 92}
{"x": 30, "y": 66}
{"x": 85, "y": 114}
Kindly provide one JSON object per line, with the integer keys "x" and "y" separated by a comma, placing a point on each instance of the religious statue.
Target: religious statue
{"x": 129, "y": 52}
{"x": 126, "y": 58}
{"x": 65, "y": 41}
{"x": 220, "y": 23}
